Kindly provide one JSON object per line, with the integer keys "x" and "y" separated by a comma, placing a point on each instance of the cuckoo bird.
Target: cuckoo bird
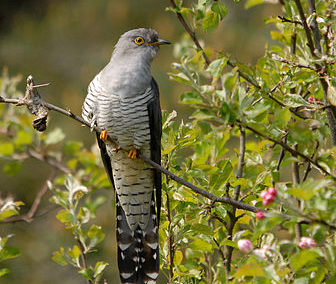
{"x": 123, "y": 101}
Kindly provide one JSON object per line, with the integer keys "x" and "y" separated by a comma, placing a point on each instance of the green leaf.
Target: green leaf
{"x": 96, "y": 235}
{"x": 216, "y": 67}
{"x": 282, "y": 117}
{"x": 8, "y": 213}
{"x": 191, "y": 98}
{"x": 220, "y": 9}
{"x": 201, "y": 245}
{"x": 64, "y": 216}
{"x": 23, "y": 138}
{"x": 12, "y": 168}
{"x": 229, "y": 243}
{"x": 55, "y": 136}
{"x": 301, "y": 193}
{"x": 218, "y": 179}
{"x": 87, "y": 273}
{"x": 71, "y": 147}
{"x": 6, "y": 149}
{"x": 202, "y": 229}
{"x": 203, "y": 114}
{"x": 250, "y": 269}
{"x": 74, "y": 253}
{"x": 99, "y": 268}
{"x": 9, "y": 252}
{"x": 302, "y": 258}
{"x": 4, "y": 271}
{"x": 59, "y": 258}
{"x": 251, "y": 3}
{"x": 210, "y": 22}
{"x": 294, "y": 100}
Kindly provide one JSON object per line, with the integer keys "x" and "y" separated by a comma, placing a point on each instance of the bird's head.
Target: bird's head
{"x": 139, "y": 42}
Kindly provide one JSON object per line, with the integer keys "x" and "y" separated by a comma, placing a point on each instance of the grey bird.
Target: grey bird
{"x": 123, "y": 100}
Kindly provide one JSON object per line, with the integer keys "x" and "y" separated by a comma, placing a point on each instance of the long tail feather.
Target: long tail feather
{"x": 138, "y": 251}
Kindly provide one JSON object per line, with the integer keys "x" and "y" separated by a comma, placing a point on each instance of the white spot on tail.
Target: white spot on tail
{"x": 124, "y": 246}
{"x": 154, "y": 255}
{"x": 150, "y": 282}
{"x": 120, "y": 231}
{"x": 138, "y": 250}
{"x": 136, "y": 259}
{"x": 152, "y": 275}
{"x": 119, "y": 217}
{"x": 122, "y": 255}
{"x": 126, "y": 275}
{"x": 152, "y": 245}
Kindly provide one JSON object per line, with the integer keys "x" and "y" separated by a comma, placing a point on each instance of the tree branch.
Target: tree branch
{"x": 284, "y": 145}
{"x": 194, "y": 188}
{"x": 32, "y": 213}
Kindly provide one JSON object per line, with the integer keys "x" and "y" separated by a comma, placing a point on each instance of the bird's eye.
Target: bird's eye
{"x": 139, "y": 40}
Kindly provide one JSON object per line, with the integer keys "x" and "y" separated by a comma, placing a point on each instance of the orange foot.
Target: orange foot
{"x": 103, "y": 135}
{"x": 133, "y": 153}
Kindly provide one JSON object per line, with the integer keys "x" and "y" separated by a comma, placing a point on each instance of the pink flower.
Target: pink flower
{"x": 310, "y": 100}
{"x": 245, "y": 245}
{"x": 268, "y": 198}
{"x": 262, "y": 195}
{"x": 260, "y": 215}
{"x": 272, "y": 191}
{"x": 307, "y": 242}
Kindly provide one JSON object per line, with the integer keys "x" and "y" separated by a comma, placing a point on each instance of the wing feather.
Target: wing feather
{"x": 155, "y": 125}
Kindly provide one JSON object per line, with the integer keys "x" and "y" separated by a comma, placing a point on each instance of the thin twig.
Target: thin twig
{"x": 306, "y": 27}
{"x": 83, "y": 257}
{"x": 286, "y": 20}
{"x": 289, "y": 149}
{"x": 170, "y": 242}
{"x": 190, "y": 32}
{"x": 32, "y": 213}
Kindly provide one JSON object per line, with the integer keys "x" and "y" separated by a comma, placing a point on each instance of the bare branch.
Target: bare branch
{"x": 286, "y": 20}
{"x": 32, "y": 213}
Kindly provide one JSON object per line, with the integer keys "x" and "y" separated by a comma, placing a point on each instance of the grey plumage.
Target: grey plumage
{"x": 123, "y": 99}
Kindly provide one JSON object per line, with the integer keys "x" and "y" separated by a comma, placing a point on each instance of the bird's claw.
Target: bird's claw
{"x": 133, "y": 153}
{"x": 103, "y": 135}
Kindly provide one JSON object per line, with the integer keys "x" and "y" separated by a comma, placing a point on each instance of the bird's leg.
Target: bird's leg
{"x": 133, "y": 153}
{"x": 103, "y": 135}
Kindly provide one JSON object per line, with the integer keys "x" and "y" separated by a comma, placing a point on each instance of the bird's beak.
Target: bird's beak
{"x": 159, "y": 42}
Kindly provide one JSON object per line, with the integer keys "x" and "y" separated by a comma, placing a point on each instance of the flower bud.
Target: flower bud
{"x": 307, "y": 242}
{"x": 272, "y": 191}
{"x": 260, "y": 215}
{"x": 268, "y": 198}
{"x": 245, "y": 245}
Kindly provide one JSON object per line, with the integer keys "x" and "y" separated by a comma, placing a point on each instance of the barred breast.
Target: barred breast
{"x": 128, "y": 121}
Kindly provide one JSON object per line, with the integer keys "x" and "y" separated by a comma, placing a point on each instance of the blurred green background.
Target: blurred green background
{"x": 67, "y": 43}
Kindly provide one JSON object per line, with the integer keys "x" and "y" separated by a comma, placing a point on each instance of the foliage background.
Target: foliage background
{"x": 67, "y": 43}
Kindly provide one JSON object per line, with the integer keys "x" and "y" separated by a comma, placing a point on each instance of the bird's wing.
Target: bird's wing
{"x": 89, "y": 107}
{"x": 106, "y": 159}
{"x": 89, "y": 112}
{"x": 155, "y": 125}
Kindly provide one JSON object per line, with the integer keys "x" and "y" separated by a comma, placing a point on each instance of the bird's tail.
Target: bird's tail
{"x": 138, "y": 251}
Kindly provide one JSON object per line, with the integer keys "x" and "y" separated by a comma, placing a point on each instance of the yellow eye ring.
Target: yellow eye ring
{"x": 139, "y": 40}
